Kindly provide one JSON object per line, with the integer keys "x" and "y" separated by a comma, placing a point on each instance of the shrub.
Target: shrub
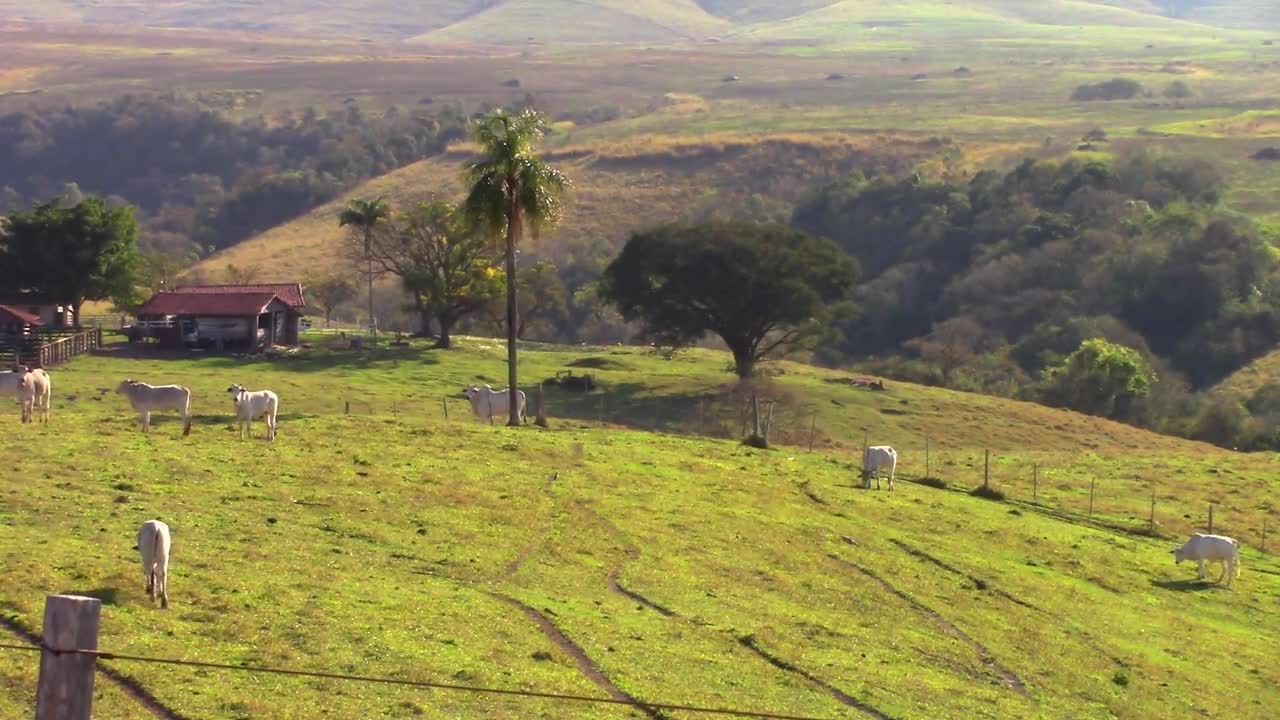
{"x": 1177, "y": 89}
{"x": 988, "y": 493}
{"x": 933, "y": 482}
{"x": 1113, "y": 89}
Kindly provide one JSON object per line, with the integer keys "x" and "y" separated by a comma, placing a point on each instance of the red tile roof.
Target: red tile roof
{"x": 208, "y": 303}
{"x": 21, "y": 316}
{"x": 290, "y": 293}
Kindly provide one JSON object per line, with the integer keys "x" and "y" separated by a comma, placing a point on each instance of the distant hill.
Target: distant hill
{"x": 507, "y": 21}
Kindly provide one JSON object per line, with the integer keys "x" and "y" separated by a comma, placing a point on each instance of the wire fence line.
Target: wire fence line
{"x": 1051, "y": 483}
{"x": 421, "y": 684}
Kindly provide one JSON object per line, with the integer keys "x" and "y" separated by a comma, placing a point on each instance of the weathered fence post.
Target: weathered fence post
{"x": 768, "y": 424}
{"x": 928, "y": 466}
{"x": 1210, "y": 518}
{"x": 395, "y": 410}
{"x": 1035, "y": 483}
{"x": 65, "y": 689}
{"x": 813, "y": 430}
{"x": 755, "y": 416}
{"x": 601, "y": 408}
{"x": 348, "y": 407}
{"x": 1152, "y": 521}
{"x": 1093, "y": 482}
{"x": 444, "y": 402}
{"x": 1264, "y": 535}
{"x": 541, "y": 420}
{"x": 986, "y": 468}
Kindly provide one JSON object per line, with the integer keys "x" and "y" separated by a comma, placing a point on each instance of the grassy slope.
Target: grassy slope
{"x": 375, "y": 544}
{"x": 1246, "y": 381}
{"x": 618, "y": 187}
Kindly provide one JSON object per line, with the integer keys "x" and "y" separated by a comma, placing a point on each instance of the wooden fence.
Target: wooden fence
{"x": 49, "y": 349}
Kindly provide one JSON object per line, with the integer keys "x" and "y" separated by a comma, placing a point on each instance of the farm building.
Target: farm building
{"x": 247, "y": 317}
{"x": 16, "y": 324}
{"x": 53, "y": 315}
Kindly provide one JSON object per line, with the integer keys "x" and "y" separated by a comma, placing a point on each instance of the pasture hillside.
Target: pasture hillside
{"x": 672, "y": 567}
{"x": 643, "y": 21}
{"x": 619, "y": 187}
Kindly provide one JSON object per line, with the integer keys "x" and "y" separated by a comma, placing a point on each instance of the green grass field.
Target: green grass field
{"x": 394, "y": 542}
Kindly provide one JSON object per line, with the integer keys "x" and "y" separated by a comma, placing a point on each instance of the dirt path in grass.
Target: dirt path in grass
{"x": 536, "y": 539}
{"x": 128, "y": 685}
{"x": 586, "y": 665}
{"x": 987, "y": 586}
{"x": 841, "y": 696}
{"x": 1009, "y": 677}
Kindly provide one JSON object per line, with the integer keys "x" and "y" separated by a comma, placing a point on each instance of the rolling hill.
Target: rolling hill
{"x": 569, "y": 21}
{"x": 593, "y": 558}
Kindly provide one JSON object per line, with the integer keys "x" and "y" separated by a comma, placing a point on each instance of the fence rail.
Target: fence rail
{"x": 50, "y": 348}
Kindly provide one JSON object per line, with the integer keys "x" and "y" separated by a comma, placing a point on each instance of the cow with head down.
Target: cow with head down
{"x": 1211, "y": 548}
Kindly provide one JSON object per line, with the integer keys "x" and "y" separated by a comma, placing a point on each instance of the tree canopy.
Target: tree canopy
{"x": 87, "y": 251}
{"x": 763, "y": 289}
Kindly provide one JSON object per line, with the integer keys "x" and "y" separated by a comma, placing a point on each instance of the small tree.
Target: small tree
{"x": 242, "y": 275}
{"x": 88, "y": 251}
{"x": 331, "y": 293}
{"x": 763, "y": 289}
{"x": 951, "y": 345}
{"x": 1177, "y": 90}
{"x": 1100, "y": 378}
{"x": 442, "y": 261}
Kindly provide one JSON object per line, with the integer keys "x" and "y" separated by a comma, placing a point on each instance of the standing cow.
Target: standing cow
{"x": 154, "y": 542}
{"x": 1218, "y": 548}
{"x": 145, "y": 398}
{"x": 876, "y": 460}
{"x": 35, "y": 391}
{"x": 485, "y": 400}
{"x": 250, "y": 405}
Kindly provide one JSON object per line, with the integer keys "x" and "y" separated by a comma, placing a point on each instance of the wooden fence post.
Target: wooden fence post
{"x": 986, "y": 468}
{"x": 1264, "y": 535}
{"x": 1152, "y": 521}
{"x": 813, "y": 430}
{"x": 348, "y": 407}
{"x": 755, "y": 416}
{"x": 444, "y": 401}
{"x": 66, "y": 680}
{"x": 1035, "y": 483}
{"x": 928, "y": 466}
{"x": 1210, "y": 518}
{"x": 1093, "y": 482}
{"x": 768, "y": 424}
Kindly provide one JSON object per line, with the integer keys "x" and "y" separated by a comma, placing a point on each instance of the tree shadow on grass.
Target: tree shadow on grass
{"x": 1185, "y": 585}
{"x": 106, "y": 595}
{"x": 311, "y": 360}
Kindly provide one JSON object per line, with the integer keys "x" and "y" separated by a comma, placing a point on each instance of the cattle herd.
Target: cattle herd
{"x": 34, "y": 390}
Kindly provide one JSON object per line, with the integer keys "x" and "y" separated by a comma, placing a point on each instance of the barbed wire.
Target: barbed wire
{"x": 531, "y": 694}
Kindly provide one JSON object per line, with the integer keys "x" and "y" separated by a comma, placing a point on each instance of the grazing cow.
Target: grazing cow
{"x": 877, "y": 459}
{"x": 153, "y": 543}
{"x": 145, "y": 398}
{"x": 485, "y": 401}
{"x": 250, "y": 405}
{"x": 1213, "y": 548}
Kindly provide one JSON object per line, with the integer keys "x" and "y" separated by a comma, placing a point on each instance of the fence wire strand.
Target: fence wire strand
{"x": 531, "y": 694}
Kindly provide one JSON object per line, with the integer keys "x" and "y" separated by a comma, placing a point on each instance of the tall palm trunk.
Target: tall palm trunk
{"x": 368, "y": 254}
{"x": 513, "y": 311}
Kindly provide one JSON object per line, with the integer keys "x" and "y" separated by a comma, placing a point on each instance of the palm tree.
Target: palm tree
{"x": 511, "y": 187}
{"x": 363, "y": 215}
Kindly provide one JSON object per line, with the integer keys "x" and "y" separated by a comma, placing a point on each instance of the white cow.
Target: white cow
{"x": 485, "y": 401}
{"x": 34, "y": 392}
{"x": 145, "y": 398}
{"x": 250, "y": 405}
{"x": 154, "y": 543}
{"x": 878, "y": 459}
{"x": 1218, "y": 548}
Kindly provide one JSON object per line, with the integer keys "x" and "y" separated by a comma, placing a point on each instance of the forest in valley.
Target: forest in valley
{"x": 201, "y": 181}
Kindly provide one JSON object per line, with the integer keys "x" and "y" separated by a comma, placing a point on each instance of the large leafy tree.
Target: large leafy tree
{"x": 511, "y": 189}
{"x": 365, "y": 216}
{"x": 442, "y": 261}
{"x": 87, "y": 251}
{"x": 763, "y": 289}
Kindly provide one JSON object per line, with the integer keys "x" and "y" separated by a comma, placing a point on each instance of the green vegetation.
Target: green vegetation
{"x": 384, "y": 544}
{"x": 362, "y": 217}
{"x": 763, "y": 290}
{"x": 88, "y": 251}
